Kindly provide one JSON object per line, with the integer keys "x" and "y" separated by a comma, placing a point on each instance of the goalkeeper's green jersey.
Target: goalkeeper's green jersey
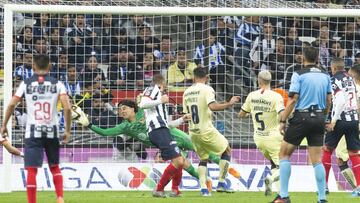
{"x": 138, "y": 131}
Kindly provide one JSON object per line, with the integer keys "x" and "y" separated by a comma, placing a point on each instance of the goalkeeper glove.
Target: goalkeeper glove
{"x": 79, "y": 116}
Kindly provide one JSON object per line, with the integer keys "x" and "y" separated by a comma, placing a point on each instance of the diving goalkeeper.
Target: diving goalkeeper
{"x": 134, "y": 126}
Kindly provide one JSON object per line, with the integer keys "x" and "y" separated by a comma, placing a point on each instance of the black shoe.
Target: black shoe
{"x": 327, "y": 191}
{"x": 279, "y": 199}
{"x": 322, "y": 201}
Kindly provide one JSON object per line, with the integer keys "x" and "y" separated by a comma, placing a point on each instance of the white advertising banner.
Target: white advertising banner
{"x": 134, "y": 176}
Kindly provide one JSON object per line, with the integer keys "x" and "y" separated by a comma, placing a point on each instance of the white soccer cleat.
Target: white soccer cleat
{"x": 268, "y": 186}
{"x": 79, "y": 116}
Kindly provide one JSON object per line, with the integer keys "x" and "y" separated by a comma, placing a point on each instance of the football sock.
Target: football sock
{"x": 224, "y": 167}
{"x": 320, "y": 180}
{"x": 275, "y": 177}
{"x": 202, "y": 176}
{"x": 31, "y": 184}
{"x": 177, "y": 179}
{"x": 326, "y": 161}
{"x": 192, "y": 171}
{"x": 348, "y": 175}
{"x": 166, "y": 177}
{"x": 58, "y": 180}
{"x": 285, "y": 171}
{"x": 355, "y": 160}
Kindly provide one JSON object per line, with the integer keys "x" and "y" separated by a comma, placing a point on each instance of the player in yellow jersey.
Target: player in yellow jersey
{"x": 199, "y": 101}
{"x": 265, "y": 105}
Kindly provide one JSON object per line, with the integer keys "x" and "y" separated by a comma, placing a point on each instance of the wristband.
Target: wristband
{"x": 282, "y": 121}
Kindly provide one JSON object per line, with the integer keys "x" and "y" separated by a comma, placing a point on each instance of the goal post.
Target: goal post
{"x": 11, "y": 9}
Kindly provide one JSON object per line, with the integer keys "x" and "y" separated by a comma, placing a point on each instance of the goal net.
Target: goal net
{"x": 110, "y": 50}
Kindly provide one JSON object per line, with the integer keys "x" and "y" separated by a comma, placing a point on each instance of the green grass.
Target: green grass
{"x": 191, "y": 197}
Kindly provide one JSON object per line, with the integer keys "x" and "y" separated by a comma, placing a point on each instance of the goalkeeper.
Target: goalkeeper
{"x": 134, "y": 126}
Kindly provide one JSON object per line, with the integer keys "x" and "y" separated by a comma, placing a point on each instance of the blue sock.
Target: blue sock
{"x": 320, "y": 180}
{"x": 285, "y": 171}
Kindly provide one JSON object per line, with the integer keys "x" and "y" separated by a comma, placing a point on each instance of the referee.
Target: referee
{"x": 310, "y": 96}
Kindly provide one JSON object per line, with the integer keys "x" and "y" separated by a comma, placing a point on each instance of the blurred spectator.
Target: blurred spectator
{"x": 263, "y": 45}
{"x": 72, "y": 83}
{"x": 55, "y": 44}
{"x": 133, "y": 23}
{"x": 81, "y": 39}
{"x": 165, "y": 55}
{"x": 149, "y": 68}
{"x": 128, "y": 150}
{"x": 41, "y": 46}
{"x": 121, "y": 38}
{"x": 59, "y": 67}
{"x": 357, "y": 58}
{"x": 323, "y": 43}
{"x": 248, "y": 31}
{"x": 122, "y": 72}
{"x": 42, "y": 26}
{"x": 65, "y": 25}
{"x": 25, "y": 70}
{"x": 292, "y": 42}
{"x": 25, "y": 40}
{"x": 351, "y": 39}
{"x": 277, "y": 63}
{"x": 336, "y": 51}
{"x": 145, "y": 42}
{"x": 100, "y": 115}
{"x": 180, "y": 74}
{"x": 20, "y": 116}
{"x": 91, "y": 72}
{"x": 105, "y": 33}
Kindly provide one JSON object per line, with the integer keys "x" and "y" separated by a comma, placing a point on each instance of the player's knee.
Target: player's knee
{"x": 203, "y": 163}
{"x": 327, "y": 149}
{"x": 225, "y": 156}
{"x": 179, "y": 161}
{"x": 55, "y": 169}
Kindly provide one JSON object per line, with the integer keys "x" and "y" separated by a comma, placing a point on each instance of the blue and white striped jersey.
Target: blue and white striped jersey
{"x": 216, "y": 51}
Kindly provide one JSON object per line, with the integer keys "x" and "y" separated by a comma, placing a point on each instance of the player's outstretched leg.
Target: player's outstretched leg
{"x": 31, "y": 184}
{"x": 224, "y": 167}
{"x": 58, "y": 182}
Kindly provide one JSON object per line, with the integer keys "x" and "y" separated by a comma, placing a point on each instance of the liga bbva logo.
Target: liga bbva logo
{"x": 133, "y": 177}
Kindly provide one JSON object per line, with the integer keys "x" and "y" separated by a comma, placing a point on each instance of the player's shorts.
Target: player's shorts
{"x": 162, "y": 139}
{"x": 349, "y": 129}
{"x": 211, "y": 142}
{"x": 303, "y": 125}
{"x": 341, "y": 152}
{"x": 34, "y": 151}
{"x": 269, "y": 146}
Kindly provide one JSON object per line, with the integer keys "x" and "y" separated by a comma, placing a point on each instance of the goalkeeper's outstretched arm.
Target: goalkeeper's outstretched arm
{"x": 108, "y": 132}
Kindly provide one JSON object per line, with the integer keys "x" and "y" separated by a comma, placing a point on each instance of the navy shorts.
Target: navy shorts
{"x": 349, "y": 129}
{"x": 303, "y": 125}
{"x": 162, "y": 139}
{"x": 34, "y": 151}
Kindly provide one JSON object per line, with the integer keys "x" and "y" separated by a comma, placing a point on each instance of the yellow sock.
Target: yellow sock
{"x": 224, "y": 167}
{"x": 202, "y": 176}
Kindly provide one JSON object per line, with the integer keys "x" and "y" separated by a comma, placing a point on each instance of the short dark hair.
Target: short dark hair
{"x": 338, "y": 62}
{"x": 166, "y": 37}
{"x": 129, "y": 103}
{"x": 356, "y": 70}
{"x": 311, "y": 54}
{"x": 41, "y": 61}
{"x": 158, "y": 79}
{"x": 200, "y": 72}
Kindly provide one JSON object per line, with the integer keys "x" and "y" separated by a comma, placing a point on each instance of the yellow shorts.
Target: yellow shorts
{"x": 211, "y": 142}
{"x": 269, "y": 146}
{"x": 341, "y": 151}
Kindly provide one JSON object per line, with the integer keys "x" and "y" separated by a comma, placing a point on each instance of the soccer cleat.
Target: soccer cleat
{"x": 279, "y": 199}
{"x": 222, "y": 187}
{"x": 175, "y": 193}
{"x": 234, "y": 173}
{"x": 205, "y": 192}
{"x": 356, "y": 192}
{"x": 327, "y": 191}
{"x": 156, "y": 193}
{"x": 59, "y": 200}
{"x": 268, "y": 186}
{"x": 209, "y": 184}
{"x": 322, "y": 201}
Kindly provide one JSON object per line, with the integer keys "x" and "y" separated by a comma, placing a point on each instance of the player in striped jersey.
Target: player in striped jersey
{"x": 264, "y": 105}
{"x": 344, "y": 120}
{"x": 153, "y": 102}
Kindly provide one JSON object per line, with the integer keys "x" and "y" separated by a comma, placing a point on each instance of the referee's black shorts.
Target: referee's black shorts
{"x": 302, "y": 125}
{"x": 162, "y": 139}
{"x": 349, "y": 129}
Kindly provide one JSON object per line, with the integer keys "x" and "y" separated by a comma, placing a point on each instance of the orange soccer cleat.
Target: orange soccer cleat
{"x": 234, "y": 173}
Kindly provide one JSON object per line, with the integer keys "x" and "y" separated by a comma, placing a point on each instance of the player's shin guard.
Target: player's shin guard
{"x": 176, "y": 179}
{"x": 166, "y": 177}
{"x": 320, "y": 180}
{"x": 192, "y": 171}
{"x": 58, "y": 180}
{"x": 348, "y": 175}
{"x": 224, "y": 167}
{"x": 326, "y": 161}
{"x": 355, "y": 160}
{"x": 202, "y": 174}
{"x": 275, "y": 177}
{"x": 31, "y": 184}
{"x": 285, "y": 172}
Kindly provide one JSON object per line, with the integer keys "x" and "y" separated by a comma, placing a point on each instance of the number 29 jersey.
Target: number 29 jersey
{"x": 41, "y": 96}
{"x": 195, "y": 101}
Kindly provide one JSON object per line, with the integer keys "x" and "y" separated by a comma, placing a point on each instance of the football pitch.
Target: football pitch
{"x": 188, "y": 197}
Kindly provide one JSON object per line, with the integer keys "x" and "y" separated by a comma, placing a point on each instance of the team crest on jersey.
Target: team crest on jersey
{"x": 142, "y": 120}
